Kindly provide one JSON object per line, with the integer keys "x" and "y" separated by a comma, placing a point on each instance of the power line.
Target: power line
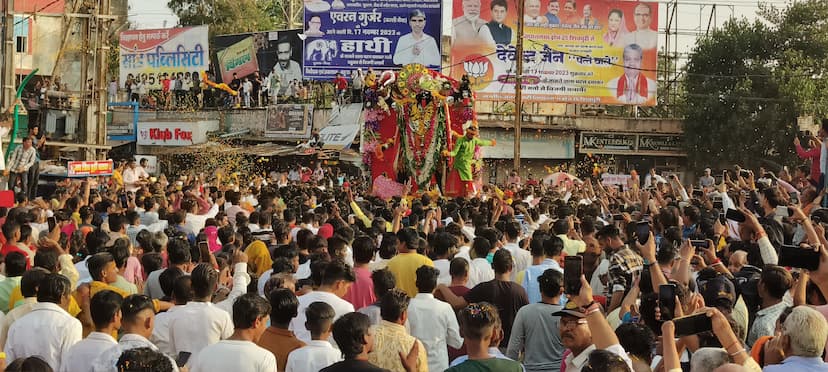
{"x": 35, "y": 12}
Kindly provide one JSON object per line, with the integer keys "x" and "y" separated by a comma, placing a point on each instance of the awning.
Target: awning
{"x": 263, "y": 150}
{"x": 342, "y": 128}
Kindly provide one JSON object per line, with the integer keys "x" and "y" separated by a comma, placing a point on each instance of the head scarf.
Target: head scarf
{"x": 259, "y": 256}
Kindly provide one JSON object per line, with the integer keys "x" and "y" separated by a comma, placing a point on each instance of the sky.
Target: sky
{"x": 693, "y": 16}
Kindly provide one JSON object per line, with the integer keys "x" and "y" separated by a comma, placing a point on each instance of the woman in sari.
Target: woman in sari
{"x": 616, "y": 28}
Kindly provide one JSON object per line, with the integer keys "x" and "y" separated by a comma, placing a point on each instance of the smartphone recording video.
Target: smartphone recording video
{"x": 735, "y": 215}
{"x": 799, "y": 257}
{"x": 667, "y": 301}
{"x": 693, "y": 324}
{"x": 573, "y": 269}
{"x": 642, "y": 231}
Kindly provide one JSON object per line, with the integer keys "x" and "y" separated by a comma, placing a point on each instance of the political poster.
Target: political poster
{"x": 147, "y": 55}
{"x": 270, "y": 54}
{"x": 342, "y": 37}
{"x": 590, "y": 52}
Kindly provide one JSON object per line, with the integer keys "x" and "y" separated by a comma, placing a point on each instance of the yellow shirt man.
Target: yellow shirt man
{"x": 404, "y": 267}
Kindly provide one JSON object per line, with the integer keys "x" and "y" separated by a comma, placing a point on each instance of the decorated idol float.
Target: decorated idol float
{"x": 421, "y": 130}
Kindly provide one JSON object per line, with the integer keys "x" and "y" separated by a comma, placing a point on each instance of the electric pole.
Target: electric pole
{"x": 102, "y": 20}
{"x": 518, "y": 82}
{"x": 9, "y": 51}
{"x": 86, "y": 92}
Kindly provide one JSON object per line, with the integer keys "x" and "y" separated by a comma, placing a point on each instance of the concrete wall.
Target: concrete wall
{"x": 586, "y": 123}
{"x": 230, "y": 121}
{"x": 255, "y": 119}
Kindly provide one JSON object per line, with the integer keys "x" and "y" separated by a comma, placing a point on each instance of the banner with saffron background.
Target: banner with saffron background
{"x": 147, "y": 55}
{"x": 590, "y": 52}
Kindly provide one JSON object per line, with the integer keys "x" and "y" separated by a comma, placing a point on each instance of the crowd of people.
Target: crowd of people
{"x": 302, "y": 272}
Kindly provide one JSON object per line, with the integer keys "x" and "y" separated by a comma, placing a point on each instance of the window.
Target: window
{"x": 22, "y": 44}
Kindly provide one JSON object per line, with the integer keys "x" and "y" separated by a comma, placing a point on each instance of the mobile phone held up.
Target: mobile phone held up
{"x": 667, "y": 301}
{"x": 642, "y": 231}
{"x": 799, "y": 257}
{"x": 693, "y": 324}
{"x": 573, "y": 269}
{"x": 735, "y": 215}
{"x": 783, "y": 211}
{"x": 183, "y": 357}
{"x": 700, "y": 244}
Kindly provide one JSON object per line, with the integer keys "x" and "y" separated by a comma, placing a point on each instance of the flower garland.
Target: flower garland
{"x": 422, "y": 152}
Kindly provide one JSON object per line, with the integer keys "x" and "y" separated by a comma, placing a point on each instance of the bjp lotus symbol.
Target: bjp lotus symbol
{"x": 477, "y": 67}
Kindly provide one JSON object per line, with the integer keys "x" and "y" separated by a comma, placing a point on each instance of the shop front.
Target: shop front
{"x": 620, "y": 153}
{"x": 540, "y": 150}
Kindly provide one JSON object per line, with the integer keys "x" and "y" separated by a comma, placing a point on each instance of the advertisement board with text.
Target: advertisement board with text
{"x": 596, "y": 52}
{"x": 342, "y": 36}
{"x": 146, "y": 55}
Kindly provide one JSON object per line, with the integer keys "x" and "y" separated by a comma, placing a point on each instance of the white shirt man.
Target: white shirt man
{"x": 646, "y": 38}
{"x": 197, "y": 325}
{"x": 240, "y": 281}
{"x": 314, "y": 356}
{"x": 423, "y": 51}
{"x": 48, "y": 332}
{"x": 196, "y": 222}
{"x": 131, "y": 178}
{"x": 444, "y": 266}
{"x": 292, "y": 72}
{"x": 522, "y": 257}
{"x": 161, "y": 331}
{"x": 340, "y": 306}
{"x": 80, "y": 356}
{"x": 107, "y": 361}
{"x": 434, "y": 323}
{"x": 240, "y": 355}
{"x": 480, "y": 271}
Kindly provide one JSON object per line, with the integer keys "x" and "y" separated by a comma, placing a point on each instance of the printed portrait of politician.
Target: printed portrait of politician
{"x": 588, "y": 20}
{"x": 569, "y": 14}
{"x": 468, "y": 28}
{"x": 314, "y": 28}
{"x": 286, "y": 68}
{"x": 532, "y": 13}
{"x": 616, "y": 28}
{"x": 552, "y": 10}
{"x": 496, "y": 29}
{"x": 643, "y": 36}
{"x": 633, "y": 87}
{"x": 417, "y": 46}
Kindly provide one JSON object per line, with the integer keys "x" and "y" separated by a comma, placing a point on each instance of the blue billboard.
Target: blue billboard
{"x": 342, "y": 36}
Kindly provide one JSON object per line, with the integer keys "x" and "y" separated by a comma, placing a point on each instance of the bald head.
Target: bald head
{"x": 737, "y": 260}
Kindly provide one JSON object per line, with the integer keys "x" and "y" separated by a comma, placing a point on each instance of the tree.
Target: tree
{"x": 803, "y": 53}
{"x": 736, "y": 112}
{"x": 226, "y": 16}
{"x": 747, "y": 83}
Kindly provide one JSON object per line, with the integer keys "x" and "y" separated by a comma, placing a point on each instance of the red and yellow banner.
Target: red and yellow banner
{"x": 596, "y": 52}
{"x": 90, "y": 168}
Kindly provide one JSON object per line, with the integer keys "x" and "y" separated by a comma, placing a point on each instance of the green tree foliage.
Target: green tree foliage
{"x": 228, "y": 16}
{"x": 747, "y": 83}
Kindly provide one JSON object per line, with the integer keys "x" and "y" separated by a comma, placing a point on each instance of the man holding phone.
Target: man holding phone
{"x": 584, "y": 328}
{"x": 623, "y": 264}
{"x": 773, "y": 284}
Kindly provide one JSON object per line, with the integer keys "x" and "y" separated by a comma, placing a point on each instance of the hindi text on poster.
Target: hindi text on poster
{"x": 598, "y": 52}
{"x": 343, "y": 36}
{"x": 146, "y": 55}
